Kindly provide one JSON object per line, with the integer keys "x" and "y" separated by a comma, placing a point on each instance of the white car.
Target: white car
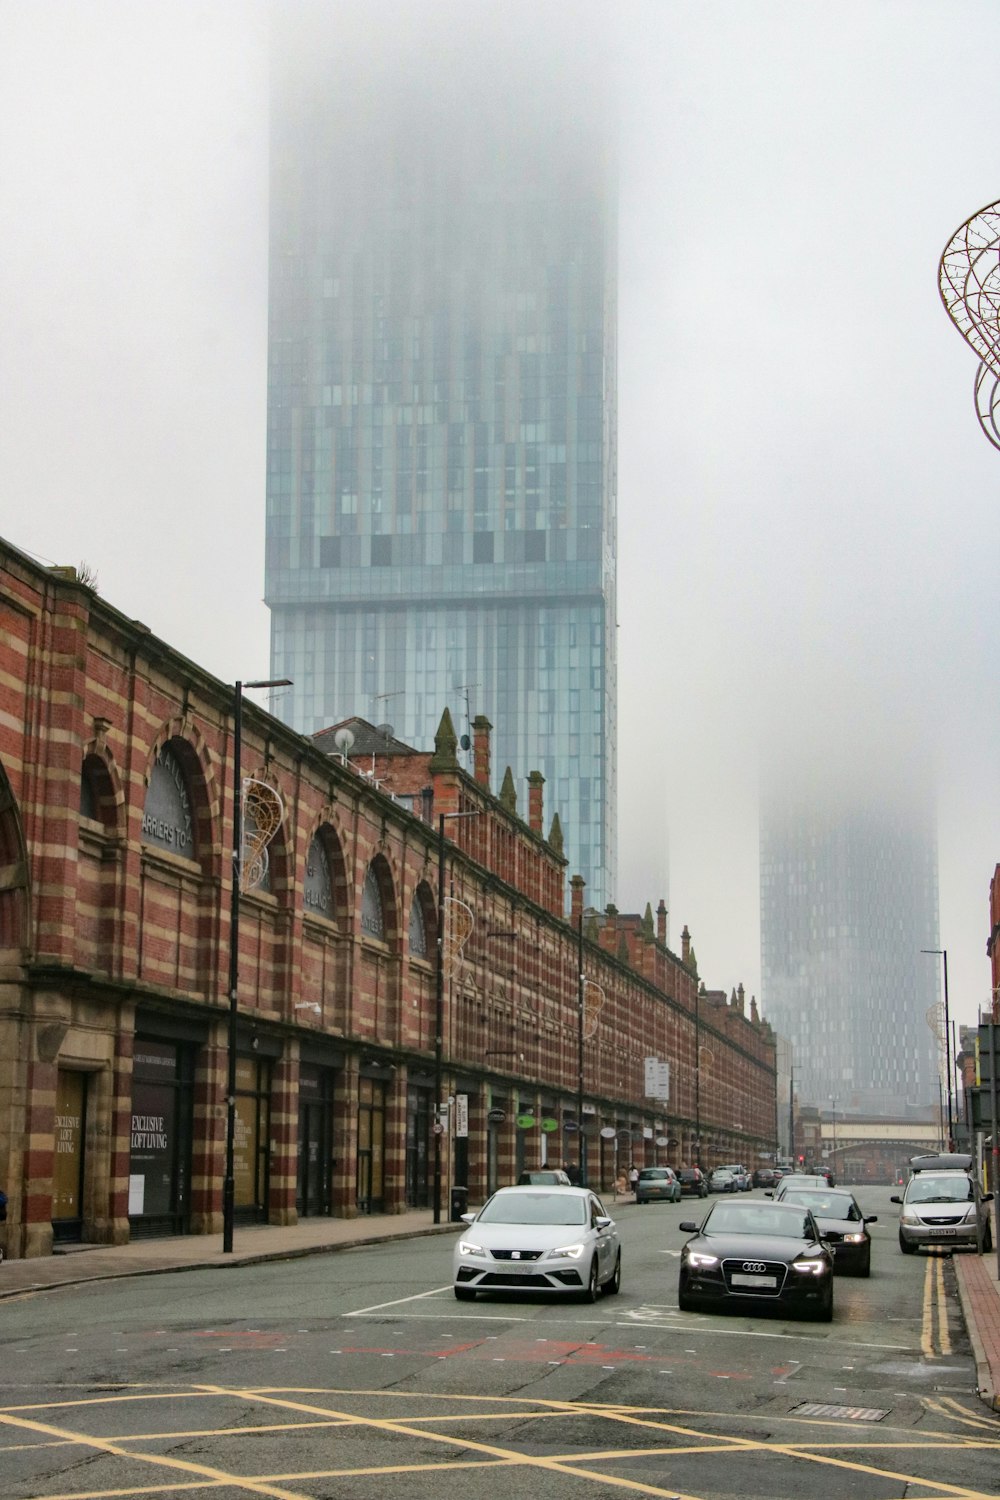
{"x": 539, "y": 1239}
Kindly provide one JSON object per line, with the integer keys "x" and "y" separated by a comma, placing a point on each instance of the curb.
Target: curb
{"x": 255, "y": 1258}
{"x": 984, "y": 1387}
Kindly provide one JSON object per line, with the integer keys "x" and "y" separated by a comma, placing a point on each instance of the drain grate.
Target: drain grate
{"x": 852, "y": 1413}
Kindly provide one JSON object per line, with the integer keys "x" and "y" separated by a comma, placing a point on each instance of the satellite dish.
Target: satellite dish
{"x": 386, "y": 729}
{"x": 465, "y": 742}
{"x": 344, "y": 741}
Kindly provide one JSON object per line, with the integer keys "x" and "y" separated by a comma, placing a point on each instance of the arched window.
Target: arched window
{"x": 166, "y": 820}
{"x": 372, "y": 910}
{"x": 418, "y": 929}
{"x": 318, "y": 893}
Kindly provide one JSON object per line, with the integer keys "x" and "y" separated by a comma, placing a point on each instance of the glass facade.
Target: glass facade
{"x": 441, "y": 469}
{"x": 847, "y": 902}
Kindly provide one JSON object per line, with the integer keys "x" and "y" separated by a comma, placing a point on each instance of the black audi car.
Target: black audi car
{"x": 756, "y": 1254}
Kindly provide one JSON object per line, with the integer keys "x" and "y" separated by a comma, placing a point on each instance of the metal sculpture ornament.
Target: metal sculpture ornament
{"x": 262, "y": 813}
{"x": 458, "y": 924}
{"x": 969, "y": 278}
{"x": 593, "y": 1001}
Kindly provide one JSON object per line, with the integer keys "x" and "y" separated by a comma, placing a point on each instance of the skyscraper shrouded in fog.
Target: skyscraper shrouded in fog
{"x": 848, "y": 899}
{"x": 441, "y": 486}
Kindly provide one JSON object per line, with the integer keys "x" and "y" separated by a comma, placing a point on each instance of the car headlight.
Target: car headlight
{"x": 699, "y": 1258}
{"x": 854, "y": 1239}
{"x": 810, "y": 1265}
{"x": 910, "y": 1216}
{"x": 469, "y": 1247}
{"x": 573, "y": 1252}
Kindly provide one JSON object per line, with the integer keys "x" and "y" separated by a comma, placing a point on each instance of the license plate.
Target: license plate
{"x": 739, "y": 1279}
{"x": 944, "y": 1231}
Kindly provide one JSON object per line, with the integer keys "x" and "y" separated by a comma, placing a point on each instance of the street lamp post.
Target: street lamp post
{"x": 942, "y": 953}
{"x": 581, "y": 1142}
{"x": 833, "y": 1102}
{"x": 229, "y": 1180}
{"x": 439, "y": 1011}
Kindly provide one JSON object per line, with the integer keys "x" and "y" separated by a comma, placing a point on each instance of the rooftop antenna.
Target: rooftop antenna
{"x": 344, "y": 741}
{"x": 466, "y": 739}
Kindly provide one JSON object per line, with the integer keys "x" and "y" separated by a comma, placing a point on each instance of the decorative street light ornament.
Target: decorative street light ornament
{"x": 593, "y": 1000}
{"x": 262, "y": 815}
{"x": 969, "y": 279}
{"x": 458, "y": 924}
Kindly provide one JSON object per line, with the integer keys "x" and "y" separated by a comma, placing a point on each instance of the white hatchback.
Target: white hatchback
{"x": 539, "y": 1239}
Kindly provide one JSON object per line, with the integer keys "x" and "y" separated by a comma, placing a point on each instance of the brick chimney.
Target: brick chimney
{"x": 535, "y": 783}
{"x": 685, "y": 945}
{"x": 661, "y": 921}
{"x": 481, "y": 727}
{"x": 741, "y": 999}
{"x": 577, "y": 885}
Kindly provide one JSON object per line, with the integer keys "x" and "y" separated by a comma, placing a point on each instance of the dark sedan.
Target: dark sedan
{"x": 757, "y": 1254}
{"x": 841, "y": 1223}
{"x": 693, "y": 1182}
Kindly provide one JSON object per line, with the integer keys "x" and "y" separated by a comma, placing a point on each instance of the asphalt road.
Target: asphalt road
{"x": 358, "y": 1376}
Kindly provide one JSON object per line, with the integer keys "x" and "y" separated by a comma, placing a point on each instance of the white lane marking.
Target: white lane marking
{"x": 417, "y": 1296}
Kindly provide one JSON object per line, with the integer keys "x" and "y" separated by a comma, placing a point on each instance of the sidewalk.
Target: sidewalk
{"x": 252, "y": 1245}
{"x": 979, "y": 1293}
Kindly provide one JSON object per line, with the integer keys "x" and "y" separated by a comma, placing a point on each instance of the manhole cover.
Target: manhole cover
{"x": 852, "y": 1413}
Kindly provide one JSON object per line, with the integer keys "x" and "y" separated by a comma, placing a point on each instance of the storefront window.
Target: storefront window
{"x": 160, "y": 1143}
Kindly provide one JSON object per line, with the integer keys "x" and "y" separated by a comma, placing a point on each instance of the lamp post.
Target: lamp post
{"x": 697, "y": 1077}
{"x": 581, "y": 1141}
{"x": 833, "y": 1102}
{"x": 439, "y": 1011}
{"x": 942, "y": 953}
{"x": 229, "y": 1180}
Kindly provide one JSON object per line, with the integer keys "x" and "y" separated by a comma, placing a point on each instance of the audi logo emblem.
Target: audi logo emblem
{"x": 754, "y": 1265}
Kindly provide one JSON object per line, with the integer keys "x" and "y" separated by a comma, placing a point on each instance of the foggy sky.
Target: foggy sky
{"x": 806, "y": 501}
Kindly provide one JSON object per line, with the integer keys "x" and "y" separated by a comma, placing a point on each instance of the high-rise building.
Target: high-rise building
{"x": 441, "y": 490}
{"x": 848, "y": 899}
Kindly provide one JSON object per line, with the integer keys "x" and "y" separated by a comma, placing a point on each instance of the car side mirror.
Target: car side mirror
{"x": 688, "y": 1226}
{"x": 769, "y": 1194}
{"x": 468, "y": 1218}
{"x": 870, "y": 1219}
{"x": 603, "y": 1222}
{"x": 987, "y": 1198}
{"x": 895, "y": 1198}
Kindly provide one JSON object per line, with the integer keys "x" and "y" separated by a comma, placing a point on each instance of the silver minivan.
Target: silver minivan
{"x": 943, "y": 1204}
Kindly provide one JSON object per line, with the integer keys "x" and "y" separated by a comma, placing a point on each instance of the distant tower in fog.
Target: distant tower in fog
{"x": 848, "y": 898}
{"x": 441, "y": 490}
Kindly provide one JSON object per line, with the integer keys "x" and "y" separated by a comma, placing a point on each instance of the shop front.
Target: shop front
{"x": 314, "y": 1186}
{"x": 419, "y": 1147}
{"x": 370, "y": 1187}
{"x": 69, "y": 1156}
{"x": 159, "y": 1181}
{"x": 251, "y": 1144}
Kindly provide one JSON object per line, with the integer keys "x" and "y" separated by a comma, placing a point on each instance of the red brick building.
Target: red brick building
{"x": 116, "y": 868}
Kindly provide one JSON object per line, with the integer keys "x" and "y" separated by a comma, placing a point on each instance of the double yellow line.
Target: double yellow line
{"x": 935, "y": 1310}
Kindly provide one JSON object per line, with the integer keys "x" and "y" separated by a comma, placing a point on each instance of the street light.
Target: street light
{"x": 942, "y": 953}
{"x": 833, "y": 1101}
{"x": 229, "y": 1181}
{"x": 439, "y": 1011}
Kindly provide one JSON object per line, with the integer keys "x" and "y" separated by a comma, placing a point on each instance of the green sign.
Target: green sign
{"x": 524, "y": 1122}
{"x": 549, "y": 1125}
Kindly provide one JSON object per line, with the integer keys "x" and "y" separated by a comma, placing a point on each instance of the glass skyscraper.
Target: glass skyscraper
{"x": 848, "y": 898}
{"x": 441, "y": 481}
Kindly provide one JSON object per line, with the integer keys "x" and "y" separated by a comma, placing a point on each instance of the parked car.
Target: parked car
{"x": 747, "y": 1252}
{"x": 545, "y": 1177}
{"x": 740, "y": 1173}
{"x": 538, "y": 1239}
{"x": 657, "y": 1185}
{"x": 764, "y": 1177}
{"x": 722, "y": 1181}
{"x": 693, "y": 1182}
{"x": 943, "y": 1204}
{"x": 841, "y": 1223}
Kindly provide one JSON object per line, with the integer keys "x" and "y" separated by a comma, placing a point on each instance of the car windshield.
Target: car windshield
{"x": 750, "y": 1218}
{"x": 953, "y": 1188}
{"x": 651, "y": 1174}
{"x": 535, "y": 1208}
{"x": 829, "y": 1205}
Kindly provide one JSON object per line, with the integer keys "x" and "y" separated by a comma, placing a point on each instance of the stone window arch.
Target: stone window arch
{"x": 318, "y": 892}
{"x": 14, "y": 904}
{"x": 423, "y": 923}
{"x": 372, "y": 907}
{"x": 168, "y": 820}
